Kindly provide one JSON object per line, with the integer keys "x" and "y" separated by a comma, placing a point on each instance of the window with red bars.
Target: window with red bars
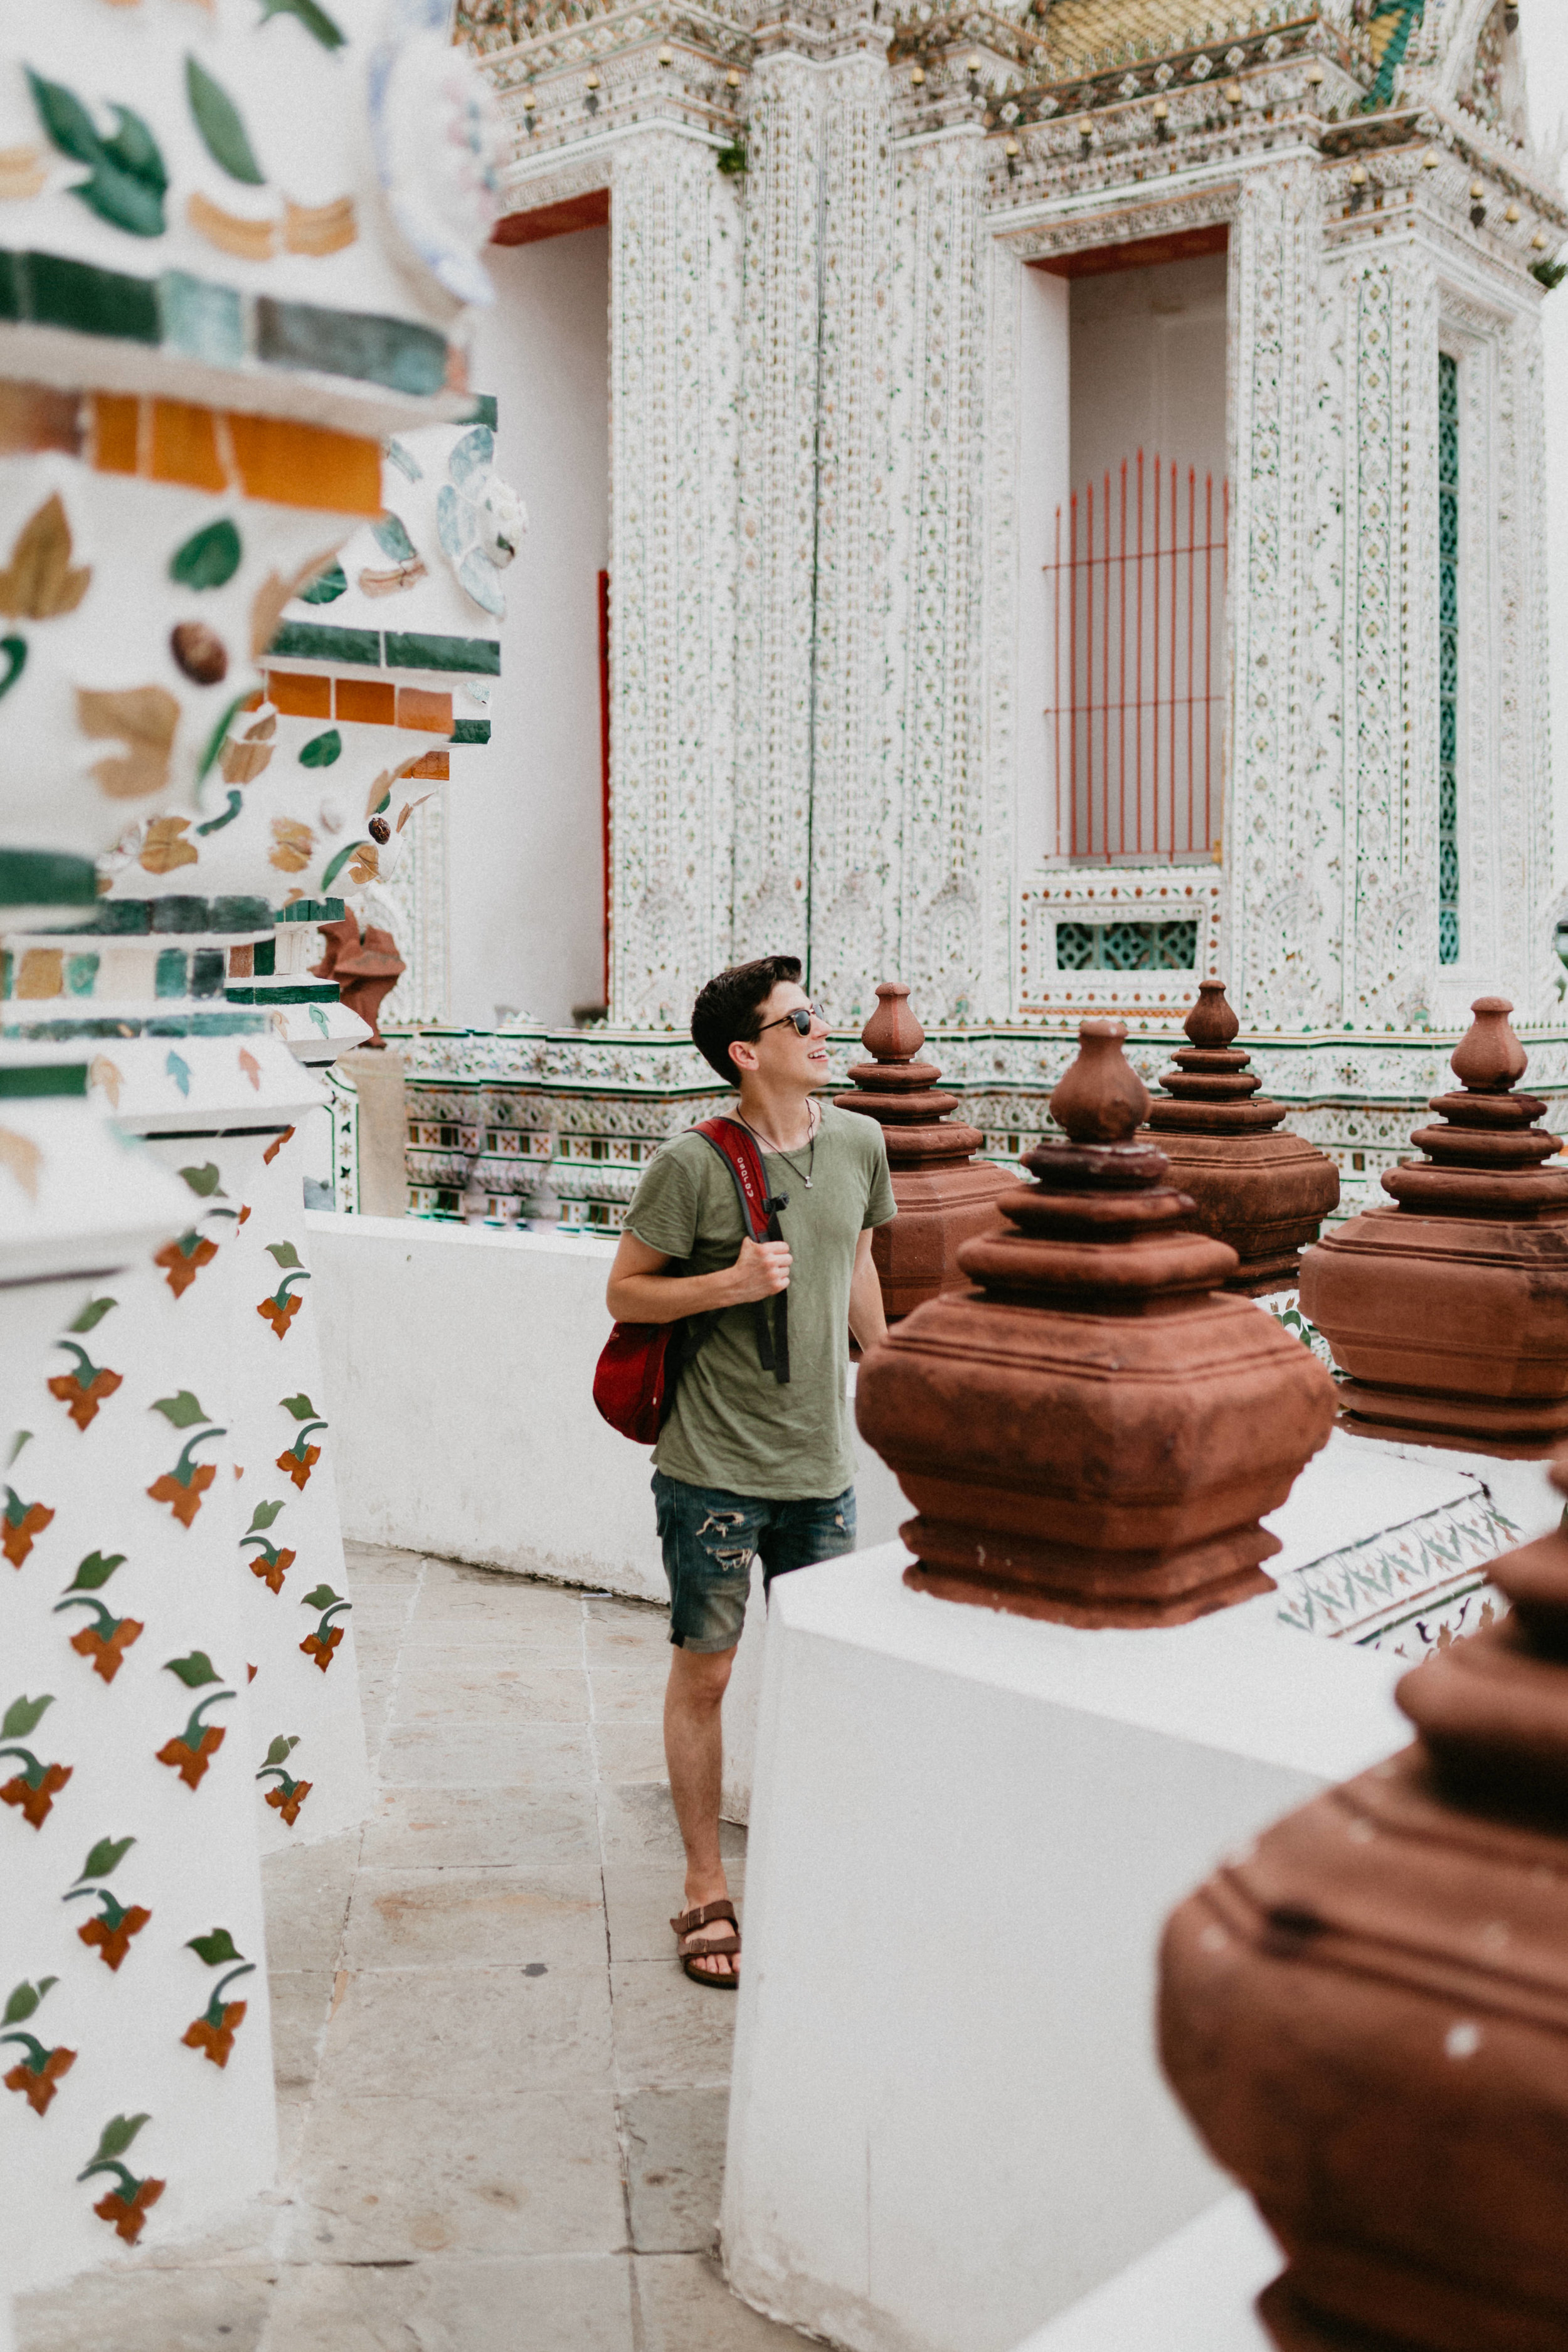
{"x": 1136, "y": 720}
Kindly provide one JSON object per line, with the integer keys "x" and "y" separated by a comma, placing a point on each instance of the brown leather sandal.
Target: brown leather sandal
{"x": 691, "y": 1951}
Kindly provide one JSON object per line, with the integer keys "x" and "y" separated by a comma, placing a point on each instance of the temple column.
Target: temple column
{"x": 676, "y": 270}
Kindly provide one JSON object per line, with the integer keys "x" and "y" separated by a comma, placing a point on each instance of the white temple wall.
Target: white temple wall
{"x": 523, "y": 820}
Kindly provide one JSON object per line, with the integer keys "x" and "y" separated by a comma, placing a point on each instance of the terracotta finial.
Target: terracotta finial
{"x": 945, "y": 1196}
{"x": 1394, "y": 1953}
{"x": 1449, "y": 1313}
{"x": 1488, "y": 1057}
{"x": 1100, "y": 1099}
{"x": 1088, "y": 1431}
{"x": 892, "y": 1034}
{"x": 1211, "y": 1022}
{"x": 1254, "y": 1185}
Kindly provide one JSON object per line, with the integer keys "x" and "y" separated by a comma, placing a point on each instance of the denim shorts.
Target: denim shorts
{"x": 709, "y": 1537}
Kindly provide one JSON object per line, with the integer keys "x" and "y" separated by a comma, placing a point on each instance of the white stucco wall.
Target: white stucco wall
{"x": 526, "y": 870}
{"x": 457, "y": 1368}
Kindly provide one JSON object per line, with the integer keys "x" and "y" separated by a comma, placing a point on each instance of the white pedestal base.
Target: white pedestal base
{"x": 948, "y": 2123}
{"x": 1194, "y": 2293}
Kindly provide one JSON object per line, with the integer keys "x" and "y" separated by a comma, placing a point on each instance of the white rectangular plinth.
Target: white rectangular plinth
{"x": 1194, "y": 2293}
{"x": 947, "y": 2121}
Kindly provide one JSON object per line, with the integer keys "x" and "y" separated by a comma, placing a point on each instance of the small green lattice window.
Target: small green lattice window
{"x": 1127, "y": 946}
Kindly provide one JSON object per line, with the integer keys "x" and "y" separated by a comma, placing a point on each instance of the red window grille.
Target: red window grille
{"x": 1136, "y": 716}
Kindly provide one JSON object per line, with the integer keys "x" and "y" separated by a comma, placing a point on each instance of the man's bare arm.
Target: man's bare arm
{"x": 639, "y": 1291}
{"x": 866, "y": 1318}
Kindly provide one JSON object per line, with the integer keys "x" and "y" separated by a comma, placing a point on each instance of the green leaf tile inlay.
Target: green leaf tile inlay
{"x": 284, "y": 1252}
{"x": 209, "y": 557}
{"x": 127, "y": 180}
{"x": 327, "y": 587}
{"x": 471, "y": 730}
{"x": 203, "y": 1180}
{"x": 321, "y": 641}
{"x": 215, "y": 1949}
{"x": 409, "y": 649}
{"x": 314, "y": 18}
{"x": 391, "y": 535}
{"x": 194, "y": 1670}
{"x": 300, "y": 1406}
{"x": 24, "y": 1714}
{"x": 81, "y": 972}
{"x": 92, "y": 1314}
{"x": 178, "y": 1068}
{"x": 15, "y": 652}
{"x": 183, "y": 1410}
{"x": 223, "y": 132}
{"x": 95, "y": 1571}
{"x": 321, "y": 751}
{"x": 105, "y": 1858}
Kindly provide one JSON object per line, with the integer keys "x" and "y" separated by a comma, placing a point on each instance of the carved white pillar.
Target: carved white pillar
{"x": 778, "y": 510}
{"x": 852, "y": 872}
{"x": 950, "y": 891}
{"x": 1281, "y": 920}
{"x": 675, "y": 258}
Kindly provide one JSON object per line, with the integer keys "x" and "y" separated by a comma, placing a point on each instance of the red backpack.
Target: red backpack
{"x": 635, "y": 1378}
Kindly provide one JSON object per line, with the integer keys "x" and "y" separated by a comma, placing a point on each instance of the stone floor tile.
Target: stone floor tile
{"x": 627, "y": 1637}
{"x": 293, "y": 2115}
{"x": 629, "y": 1694}
{"x": 617, "y": 1613}
{"x": 148, "y": 2311}
{"x": 469, "y": 2032}
{"x": 301, "y": 1999}
{"x": 382, "y": 1563}
{"x": 630, "y": 1752}
{"x": 507, "y": 1642}
{"x": 306, "y": 1890}
{"x": 452, "y": 1593}
{"x": 540, "y": 2303}
{"x": 642, "y": 1898}
{"x": 674, "y": 2166}
{"x": 637, "y": 1823}
{"x": 685, "y": 2306}
{"x": 447, "y": 1829}
{"x": 669, "y": 2030}
{"x": 475, "y": 1919}
{"x": 533, "y": 2172}
{"x": 474, "y": 1693}
{"x": 527, "y": 1756}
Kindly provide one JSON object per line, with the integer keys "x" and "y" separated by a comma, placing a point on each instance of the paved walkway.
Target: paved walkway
{"x": 502, "y": 2105}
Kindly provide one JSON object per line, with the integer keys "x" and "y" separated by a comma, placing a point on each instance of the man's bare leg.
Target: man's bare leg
{"x": 694, "y": 1751}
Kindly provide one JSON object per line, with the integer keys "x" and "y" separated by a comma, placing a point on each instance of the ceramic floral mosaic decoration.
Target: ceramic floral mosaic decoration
{"x": 239, "y": 248}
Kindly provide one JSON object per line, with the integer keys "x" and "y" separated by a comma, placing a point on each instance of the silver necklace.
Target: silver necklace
{"x": 780, "y": 1153}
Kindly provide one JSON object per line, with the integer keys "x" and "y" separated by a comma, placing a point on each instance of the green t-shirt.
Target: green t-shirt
{"x": 733, "y": 1424}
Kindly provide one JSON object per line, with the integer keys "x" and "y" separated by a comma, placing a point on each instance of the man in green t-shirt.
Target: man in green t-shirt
{"x": 754, "y": 1457}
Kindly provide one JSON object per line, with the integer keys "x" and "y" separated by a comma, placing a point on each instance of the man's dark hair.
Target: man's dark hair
{"x": 727, "y": 1009}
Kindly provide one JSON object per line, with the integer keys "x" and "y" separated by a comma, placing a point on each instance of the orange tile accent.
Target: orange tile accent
{"x": 242, "y": 962}
{"x": 371, "y": 701}
{"x": 299, "y": 695}
{"x": 184, "y": 446}
{"x": 430, "y": 713}
{"x": 36, "y": 417}
{"x": 306, "y": 466}
{"x": 435, "y": 767}
{"x": 114, "y": 416}
{"x": 42, "y": 973}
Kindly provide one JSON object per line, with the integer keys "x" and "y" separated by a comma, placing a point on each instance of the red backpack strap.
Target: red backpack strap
{"x": 759, "y": 1215}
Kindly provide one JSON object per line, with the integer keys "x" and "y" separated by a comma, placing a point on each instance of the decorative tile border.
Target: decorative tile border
{"x": 1409, "y": 1588}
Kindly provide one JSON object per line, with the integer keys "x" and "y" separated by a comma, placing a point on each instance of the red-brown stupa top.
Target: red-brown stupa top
{"x": 1367, "y": 2014}
{"x": 1093, "y": 1433}
{"x": 944, "y": 1195}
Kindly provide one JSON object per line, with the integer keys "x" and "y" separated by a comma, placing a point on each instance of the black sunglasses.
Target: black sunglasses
{"x": 800, "y": 1020}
